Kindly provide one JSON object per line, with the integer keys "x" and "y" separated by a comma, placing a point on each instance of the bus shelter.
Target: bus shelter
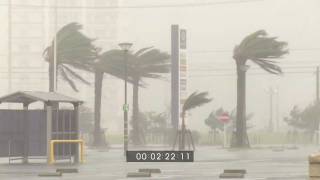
{"x": 29, "y": 133}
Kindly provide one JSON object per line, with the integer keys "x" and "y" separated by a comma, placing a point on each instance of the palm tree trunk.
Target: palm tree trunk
{"x": 137, "y": 134}
{"x": 51, "y": 76}
{"x": 51, "y": 70}
{"x": 98, "y": 78}
{"x": 183, "y": 131}
{"x": 241, "y": 130}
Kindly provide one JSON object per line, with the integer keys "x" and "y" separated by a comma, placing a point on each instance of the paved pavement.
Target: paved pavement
{"x": 260, "y": 163}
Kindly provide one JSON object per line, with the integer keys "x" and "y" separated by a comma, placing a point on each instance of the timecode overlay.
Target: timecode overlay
{"x": 160, "y": 156}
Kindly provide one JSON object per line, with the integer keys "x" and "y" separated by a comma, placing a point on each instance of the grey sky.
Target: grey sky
{"x": 219, "y": 28}
{"x": 212, "y": 31}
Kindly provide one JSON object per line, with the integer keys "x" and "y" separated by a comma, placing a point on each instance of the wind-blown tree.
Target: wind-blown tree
{"x": 307, "y": 120}
{"x": 111, "y": 62}
{"x": 194, "y": 100}
{"x": 74, "y": 50}
{"x": 214, "y": 123}
{"x": 311, "y": 116}
{"x": 294, "y": 118}
{"x": 145, "y": 63}
{"x": 262, "y": 50}
{"x": 154, "y": 124}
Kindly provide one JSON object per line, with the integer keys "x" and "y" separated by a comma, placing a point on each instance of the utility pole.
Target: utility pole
{"x": 9, "y": 46}
{"x": 277, "y": 109}
{"x": 53, "y": 61}
{"x": 271, "y": 111}
{"x": 317, "y": 84}
{"x": 271, "y": 92}
{"x": 317, "y": 101}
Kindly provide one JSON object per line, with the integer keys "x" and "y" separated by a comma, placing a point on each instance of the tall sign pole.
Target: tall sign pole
{"x": 178, "y": 72}
{"x": 183, "y": 68}
{"x": 175, "y": 98}
{"x": 317, "y": 84}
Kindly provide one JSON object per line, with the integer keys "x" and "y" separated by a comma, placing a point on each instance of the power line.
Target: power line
{"x": 228, "y": 62}
{"x": 138, "y": 7}
{"x": 253, "y": 68}
{"x": 230, "y": 51}
{"x": 249, "y": 74}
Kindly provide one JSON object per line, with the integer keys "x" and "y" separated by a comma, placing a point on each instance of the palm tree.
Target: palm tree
{"x": 260, "y": 49}
{"x": 145, "y": 63}
{"x": 194, "y": 100}
{"x": 74, "y": 50}
{"x": 110, "y": 62}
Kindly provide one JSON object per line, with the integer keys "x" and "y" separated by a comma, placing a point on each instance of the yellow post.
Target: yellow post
{"x": 78, "y": 141}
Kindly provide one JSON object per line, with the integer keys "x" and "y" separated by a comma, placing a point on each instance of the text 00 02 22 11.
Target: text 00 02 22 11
{"x": 160, "y": 156}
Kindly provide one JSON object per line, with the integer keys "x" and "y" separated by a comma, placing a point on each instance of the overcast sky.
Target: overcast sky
{"x": 213, "y": 31}
{"x": 213, "y": 27}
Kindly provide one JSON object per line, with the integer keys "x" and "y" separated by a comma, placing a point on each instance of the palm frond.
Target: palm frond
{"x": 195, "y": 100}
{"x": 73, "y": 49}
{"x": 139, "y": 52}
{"x": 260, "y": 48}
{"x": 268, "y": 66}
{"x": 76, "y": 75}
{"x": 150, "y": 63}
{"x": 69, "y": 80}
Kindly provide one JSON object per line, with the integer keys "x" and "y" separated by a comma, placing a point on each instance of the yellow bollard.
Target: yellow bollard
{"x": 77, "y": 141}
{"x": 314, "y": 166}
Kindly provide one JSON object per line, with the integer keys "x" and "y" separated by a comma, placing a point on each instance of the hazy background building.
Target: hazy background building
{"x": 29, "y": 27}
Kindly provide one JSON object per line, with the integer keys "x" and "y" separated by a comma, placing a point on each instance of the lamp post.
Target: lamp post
{"x": 125, "y": 47}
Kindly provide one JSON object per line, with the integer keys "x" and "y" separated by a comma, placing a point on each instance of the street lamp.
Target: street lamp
{"x": 125, "y": 47}
{"x": 244, "y": 67}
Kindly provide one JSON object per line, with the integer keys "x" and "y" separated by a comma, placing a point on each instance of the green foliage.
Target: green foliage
{"x": 152, "y": 122}
{"x": 112, "y": 62}
{"x": 149, "y": 63}
{"x": 260, "y": 49}
{"x": 213, "y": 119}
{"x": 74, "y": 50}
{"x": 195, "y": 100}
{"x": 308, "y": 119}
{"x": 145, "y": 63}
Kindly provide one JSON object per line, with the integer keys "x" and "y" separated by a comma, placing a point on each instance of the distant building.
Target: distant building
{"x": 29, "y": 27}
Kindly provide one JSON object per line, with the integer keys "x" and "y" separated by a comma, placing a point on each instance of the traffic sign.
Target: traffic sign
{"x": 224, "y": 117}
{"x": 125, "y": 107}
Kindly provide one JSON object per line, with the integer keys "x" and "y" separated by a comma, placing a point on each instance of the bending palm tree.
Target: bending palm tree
{"x": 145, "y": 63}
{"x": 112, "y": 63}
{"x": 260, "y": 49}
{"x": 194, "y": 100}
{"x": 75, "y": 50}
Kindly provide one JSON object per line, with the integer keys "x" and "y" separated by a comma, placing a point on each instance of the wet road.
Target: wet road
{"x": 260, "y": 163}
